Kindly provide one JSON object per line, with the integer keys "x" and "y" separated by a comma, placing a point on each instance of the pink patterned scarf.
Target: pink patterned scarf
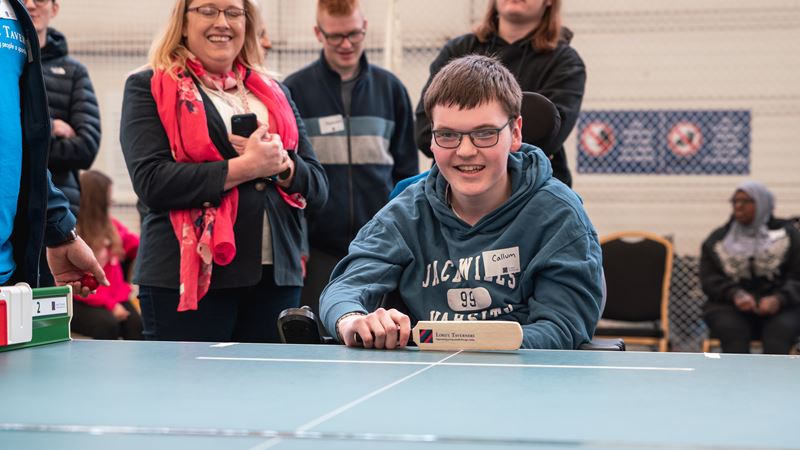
{"x": 205, "y": 235}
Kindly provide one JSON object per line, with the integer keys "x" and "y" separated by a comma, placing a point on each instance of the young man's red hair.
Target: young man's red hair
{"x": 338, "y": 7}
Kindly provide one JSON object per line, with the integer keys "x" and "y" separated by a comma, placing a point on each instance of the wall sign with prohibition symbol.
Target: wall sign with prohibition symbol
{"x": 597, "y": 138}
{"x": 685, "y": 139}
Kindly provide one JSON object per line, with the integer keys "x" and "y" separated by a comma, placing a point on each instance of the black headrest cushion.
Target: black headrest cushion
{"x": 541, "y": 122}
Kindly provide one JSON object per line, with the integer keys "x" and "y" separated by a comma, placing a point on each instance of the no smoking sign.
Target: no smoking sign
{"x": 685, "y": 139}
{"x": 597, "y": 138}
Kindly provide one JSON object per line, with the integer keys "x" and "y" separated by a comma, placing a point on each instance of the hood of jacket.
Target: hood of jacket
{"x": 529, "y": 170}
{"x": 332, "y": 75}
{"x": 56, "y": 46}
{"x": 520, "y": 57}
{"x": 495, "y": 40}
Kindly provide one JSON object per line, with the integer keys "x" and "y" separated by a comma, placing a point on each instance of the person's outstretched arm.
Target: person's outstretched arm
{"x": 68, "y": 256}
{"x": 358, "y": 283}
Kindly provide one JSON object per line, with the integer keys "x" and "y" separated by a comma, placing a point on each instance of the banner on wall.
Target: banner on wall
{"x": 696, "y": 142}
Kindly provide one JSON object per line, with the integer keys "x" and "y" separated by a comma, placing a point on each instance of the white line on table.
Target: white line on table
{"x": 330, "y": 415}
{"x": 464, "y": 364}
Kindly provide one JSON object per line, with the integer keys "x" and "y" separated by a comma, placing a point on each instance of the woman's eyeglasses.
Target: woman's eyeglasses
{"x": 212, "y": 12}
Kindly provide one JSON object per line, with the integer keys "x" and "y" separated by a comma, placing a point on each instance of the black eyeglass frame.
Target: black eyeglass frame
{"x": 742, "y": 201}
{"x": 471, "y": 135}
{"x": 338, "y": 38}
{"x": 240, "y": 14}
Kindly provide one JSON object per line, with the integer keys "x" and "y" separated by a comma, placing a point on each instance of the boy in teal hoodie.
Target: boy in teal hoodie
{"x": 488, "y": 235}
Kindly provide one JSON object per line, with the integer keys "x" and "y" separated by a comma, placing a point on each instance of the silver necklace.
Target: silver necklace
{"x": 450, "y": 203}
{"x": 230, "y": 98}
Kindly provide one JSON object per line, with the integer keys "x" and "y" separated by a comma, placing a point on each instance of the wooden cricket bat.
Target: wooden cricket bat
{"x": 467, "y": 335}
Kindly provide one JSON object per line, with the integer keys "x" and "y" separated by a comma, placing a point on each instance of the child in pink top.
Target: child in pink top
{"x": 108, "y": 313}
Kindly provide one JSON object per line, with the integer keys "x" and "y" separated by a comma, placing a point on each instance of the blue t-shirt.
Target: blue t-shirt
{"x": 13, "y": 54}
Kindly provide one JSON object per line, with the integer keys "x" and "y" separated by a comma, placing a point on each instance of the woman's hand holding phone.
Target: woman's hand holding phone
{"x": 263, "y": 151}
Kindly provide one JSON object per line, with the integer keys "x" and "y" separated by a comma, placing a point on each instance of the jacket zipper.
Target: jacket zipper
{"x": 27, "y": 25}
{"x": 350, "y": 178}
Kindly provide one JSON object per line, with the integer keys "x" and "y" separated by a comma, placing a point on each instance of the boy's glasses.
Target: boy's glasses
{"x": 483, "y": 138}
{"x": 212, "y": 12}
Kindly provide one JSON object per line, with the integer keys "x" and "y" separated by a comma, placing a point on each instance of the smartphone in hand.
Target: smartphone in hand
{"x": 244, "y": 124}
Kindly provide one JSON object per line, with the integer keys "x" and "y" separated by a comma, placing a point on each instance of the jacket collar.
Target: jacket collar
{"x": 529, "y": 170}
{"x": 56, "y": 45}
{"x": 363, "y": 67}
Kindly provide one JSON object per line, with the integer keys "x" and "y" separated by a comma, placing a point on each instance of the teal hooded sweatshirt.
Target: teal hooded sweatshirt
{"x": 535, "y": 260}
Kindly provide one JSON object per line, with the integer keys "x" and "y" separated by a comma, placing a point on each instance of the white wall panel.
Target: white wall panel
{"x": 640, "y": 55}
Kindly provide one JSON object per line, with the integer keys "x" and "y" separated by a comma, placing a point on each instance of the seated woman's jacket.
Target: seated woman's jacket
{"x": 163, "y": 185}
{"x": 774, "y": 270}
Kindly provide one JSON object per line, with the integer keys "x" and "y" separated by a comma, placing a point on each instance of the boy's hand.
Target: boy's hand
{"x": 376, "y": 330}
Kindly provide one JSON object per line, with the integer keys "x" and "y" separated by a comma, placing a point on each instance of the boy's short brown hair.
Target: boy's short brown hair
{"x": 471, "y": 81}
{"x": 338, "y": 7}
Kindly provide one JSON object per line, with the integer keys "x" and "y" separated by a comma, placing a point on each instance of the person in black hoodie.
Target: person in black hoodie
{"x": 75, "y": 115}
{"x": 527, "y": 37}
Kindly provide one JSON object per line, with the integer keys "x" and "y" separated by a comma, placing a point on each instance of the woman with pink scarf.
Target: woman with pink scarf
{"x": 220, "y": 252}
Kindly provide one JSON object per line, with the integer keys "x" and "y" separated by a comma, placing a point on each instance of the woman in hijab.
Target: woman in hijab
{"x": 750, "y": 272}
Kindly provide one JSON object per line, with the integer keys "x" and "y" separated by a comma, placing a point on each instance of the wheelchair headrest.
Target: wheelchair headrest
{"x": 541, "y": 122}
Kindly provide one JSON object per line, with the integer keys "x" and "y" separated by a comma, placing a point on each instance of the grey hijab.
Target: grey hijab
{"x": 750, "y": 240}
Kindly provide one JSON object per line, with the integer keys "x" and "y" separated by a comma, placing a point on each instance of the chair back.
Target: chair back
{"x": 541, "y": 122}
{"x": 638, "y": 267}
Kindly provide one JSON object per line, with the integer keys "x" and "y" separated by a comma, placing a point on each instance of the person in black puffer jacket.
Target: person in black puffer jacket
{"x": 75, "y": 114}
{"x": 75, "y": 117}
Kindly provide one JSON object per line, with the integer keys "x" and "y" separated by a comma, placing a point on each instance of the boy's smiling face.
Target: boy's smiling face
{"x": 476, "y": 175}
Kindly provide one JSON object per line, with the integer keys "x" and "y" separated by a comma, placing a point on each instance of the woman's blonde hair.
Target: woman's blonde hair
{"x": 545, "y": 37}
{"x": 169, "y": 52}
